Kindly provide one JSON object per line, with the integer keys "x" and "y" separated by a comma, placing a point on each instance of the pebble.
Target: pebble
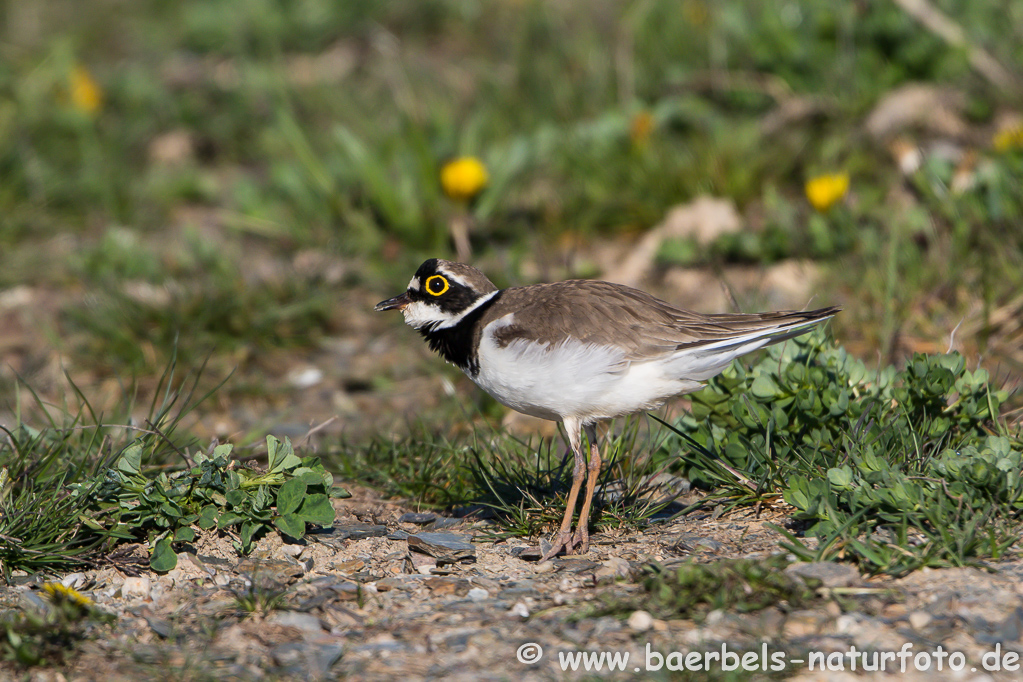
{"x": 804, "y": 623}
{"x": 306, "y": 622}
{"x": 919, "y": 619}
{"x": 135, "y": 588}
{"x": 76, "y": 581}
{"x": 640, "y": 621}
{"x": 292, "y": 550}
{"x": 478, "y": 594}
{"x": 519, "y": 610}
{"x": 690, "y": 544}
{"x": 614, "y": 568}
{"x": 305, "y": 377}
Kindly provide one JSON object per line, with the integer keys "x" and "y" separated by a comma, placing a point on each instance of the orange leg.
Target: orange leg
{"x": 582, "y": 531}
{"x": 565, "y": 540}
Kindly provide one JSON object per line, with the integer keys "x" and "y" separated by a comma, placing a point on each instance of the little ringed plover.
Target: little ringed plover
{"x": 579, "y": 351}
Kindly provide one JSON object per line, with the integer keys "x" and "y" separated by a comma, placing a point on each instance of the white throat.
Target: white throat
{"x": 419, "y": 314}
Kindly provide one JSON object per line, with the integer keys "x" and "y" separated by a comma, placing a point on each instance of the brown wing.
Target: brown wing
{"x": 646, "y": 327}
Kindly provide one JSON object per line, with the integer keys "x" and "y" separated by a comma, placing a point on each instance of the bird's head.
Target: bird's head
{"x": 441, "y": 294}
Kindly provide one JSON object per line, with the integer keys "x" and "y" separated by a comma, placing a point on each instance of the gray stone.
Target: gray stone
{"x": 303, "y": 621}
{"x": 447, "y": 548}
{"x": 829, "y": 573}
{"x": 526, "y": 553}
{"x": 443, "y": 522}
{"x": 418, "y": 519}
{"x": 696, "y": 543}
{"x": 349, "y": 531}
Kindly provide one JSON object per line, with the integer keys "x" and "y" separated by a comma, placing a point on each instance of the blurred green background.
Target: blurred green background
{"x": 238, "y": 181}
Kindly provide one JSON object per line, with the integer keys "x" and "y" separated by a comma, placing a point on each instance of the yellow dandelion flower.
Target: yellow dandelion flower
{"x": 61, "y": 593}
{"x": 695, "y": 12}
{"x": 825, "y": 191}
{"x": 640, "y": 127}
{"x": 1008, "y": 137}
{"x": 86, "y": 95}
{"x": 463, "y": 178}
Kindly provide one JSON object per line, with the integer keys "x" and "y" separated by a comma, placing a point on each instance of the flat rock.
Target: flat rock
{"x": 447, "y": 548}
{"x": 442, "y": 522}
{"x": 695, "y": 543}
{"x": 417, "y": 518}
{"x": 526, "y": 553}
{"x": 293, "y": 619}
{"x": 830, "y": 574}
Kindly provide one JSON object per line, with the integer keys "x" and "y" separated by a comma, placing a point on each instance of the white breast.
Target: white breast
{"x": 571, "y": 378}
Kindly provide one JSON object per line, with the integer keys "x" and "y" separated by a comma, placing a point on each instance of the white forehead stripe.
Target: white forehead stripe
{"x": 413, "y": 284}
{"x": 453, "y": 277}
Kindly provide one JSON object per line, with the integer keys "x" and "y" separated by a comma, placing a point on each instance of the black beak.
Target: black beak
{"x": 399, "y": 301}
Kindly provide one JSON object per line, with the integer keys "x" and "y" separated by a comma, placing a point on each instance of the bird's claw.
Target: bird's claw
{"x": 565, "y": 541}
{"x": 572, "y": 543}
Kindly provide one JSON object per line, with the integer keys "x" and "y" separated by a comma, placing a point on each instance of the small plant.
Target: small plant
{"x": 46, "y": 636}
{"x": 216, "y": 493}
{"x": 527, "y": 488}
{"x": 896, "y": 470}
{"x": 692, "y": 590}
{"x": 741, "y": 585}
{"x": 259, "y": 598}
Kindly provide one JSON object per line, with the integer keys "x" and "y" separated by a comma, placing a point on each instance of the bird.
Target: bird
{"x": 578, "y": 352}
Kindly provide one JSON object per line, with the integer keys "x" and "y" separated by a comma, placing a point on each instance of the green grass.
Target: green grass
{"x": 692, "y": 590}
{"x": 523, "y": 485}
{"x": 170, "y": 216}
{"x": 51, "y": 476}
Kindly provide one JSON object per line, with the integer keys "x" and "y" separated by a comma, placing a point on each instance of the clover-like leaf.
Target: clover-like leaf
{"x": 290, "y": 495}
{"x": 841, "y": 477}
{"x": 317, "y": 509}
{"x": 228, "y": 519}
{"x": 208, "y": 517}
{"x": 163, "y": 558}
{"x": 291, "y": 525}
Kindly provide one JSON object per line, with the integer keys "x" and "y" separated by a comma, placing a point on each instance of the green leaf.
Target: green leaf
{"x": 339, "y": 493}
{"x": 291, "y": 525}
{"x": 163, "y": 558}
{"x": 235, "y": 498}
{"x": 223, "y": 450}
{"x": 229, "y": 519}
{"x": 130, "y": 461}
{"x": 317, "y": 509}
{"x": 247, "y": 533}
{"x": 281, "y": 455}
{"x": 208, "y": 517}
{"x": 273, "y": 455}
{"x": 289, "y": 497}
{"x": 840, "y": 477}
{"x": 184, "y": 534}
{"x": 764, "y": 388}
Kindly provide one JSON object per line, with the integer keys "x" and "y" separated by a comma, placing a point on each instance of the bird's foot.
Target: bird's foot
{"x": 565, "y": 541}
{"x": 581, "y": 540}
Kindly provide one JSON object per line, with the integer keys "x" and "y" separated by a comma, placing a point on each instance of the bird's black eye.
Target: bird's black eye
{"x": 437, "y": 285}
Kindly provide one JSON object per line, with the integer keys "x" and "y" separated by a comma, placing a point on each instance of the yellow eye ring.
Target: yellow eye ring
{"x": 431, "y": 285}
